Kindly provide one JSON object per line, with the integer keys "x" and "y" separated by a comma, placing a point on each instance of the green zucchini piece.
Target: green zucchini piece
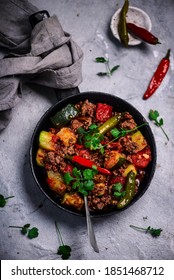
{"x": 64, "y": 116}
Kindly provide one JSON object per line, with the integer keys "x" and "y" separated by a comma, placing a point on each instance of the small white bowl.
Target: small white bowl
{"x": 134, "y": 15}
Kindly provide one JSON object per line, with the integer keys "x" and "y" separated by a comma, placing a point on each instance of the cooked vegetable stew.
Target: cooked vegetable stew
{"x": 92, "y": 150}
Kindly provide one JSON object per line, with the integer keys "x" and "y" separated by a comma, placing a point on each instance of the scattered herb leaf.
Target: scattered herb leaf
{"x": 64, "y": 250}
{"x": 109, "y": 71}
{"x": 26, "y": 230}
{"x": 154, "y": 232}
{"x": 33, "y": 233}
{"x": 154, "y": 116}
{"x": 3, "y": 200}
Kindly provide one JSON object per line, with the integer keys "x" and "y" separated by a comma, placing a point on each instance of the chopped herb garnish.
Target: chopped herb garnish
{"x": 92, "y": 137}
{"x": 154, "y": 116}
{"x": 109, "y": 71}
{"x": 3, "y": 200}
{"x": 26, "y": 230}
{"x": 154, "y": 232}
{"x": 117, "y": 190}
{"x": 64, "y": 250}
{"x": 82, "y": 180}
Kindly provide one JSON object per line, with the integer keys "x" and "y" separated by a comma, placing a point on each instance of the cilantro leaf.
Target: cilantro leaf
{"x": 117, "y": 190}
{"x": 88, "y": 174}
{"x": 102, "y": 74}
{"x": 88, "y": 185}
{"x": 67, "y": 178}
{"x": 114, "y": 69}
{"x": 64, "y": 251}
{"x": 24, "y": 229}
{"x": 33, "y": 233}
{"x": 115, "y": 132}
{"x": 101, "y": 60}
{"x": 3, "y": 200}
{"x": 153, "y": 115}
{"x": 155, "y": 232}
{"x": 117, "y": 187}
{"x": 77, "y": 184}
{"x": 76, "y": 172}
{"x": 93, "y": 126}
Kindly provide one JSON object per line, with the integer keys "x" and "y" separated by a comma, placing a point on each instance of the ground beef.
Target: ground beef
{"x": 75, "y": 124}
{"x": 127, "y": 145}
{"x": 128, "y": 124}
{"x": 88, "y": 109}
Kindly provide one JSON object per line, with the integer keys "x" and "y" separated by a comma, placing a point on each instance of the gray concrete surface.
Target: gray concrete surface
{"x": 88, "y": 22}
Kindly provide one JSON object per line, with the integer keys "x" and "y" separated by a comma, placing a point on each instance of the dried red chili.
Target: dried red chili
{"x": 142, "y": 33}
{"x": 158, "y": 76}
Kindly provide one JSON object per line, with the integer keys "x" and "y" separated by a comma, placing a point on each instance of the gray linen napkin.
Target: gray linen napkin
{"x": 53, "y": 60}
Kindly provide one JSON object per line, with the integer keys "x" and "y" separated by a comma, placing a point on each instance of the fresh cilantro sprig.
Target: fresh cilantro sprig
{"x": 82, "y": 180}
{"x": 63, "y": 250}
{"x": 3, "y": 200}
{"x": 26, "y": 230}
{"x": 91, "y": 138}
{"x": 110, "y": 70}
{"x": 153, "y": 231}
{"x": 116, "y": 133}
{"x": 154, "y": 116}
{"x": 117, "y": 190}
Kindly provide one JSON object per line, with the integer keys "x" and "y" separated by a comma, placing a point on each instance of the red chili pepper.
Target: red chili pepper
{"x": 142, "y": 33}
{"x": 158, "y": 76}
{"x": 88, "y": 163}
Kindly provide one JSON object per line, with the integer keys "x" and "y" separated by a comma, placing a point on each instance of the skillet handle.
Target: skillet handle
{"x": 63, "y": 93}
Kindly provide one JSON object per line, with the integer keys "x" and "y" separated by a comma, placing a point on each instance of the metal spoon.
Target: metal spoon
{"x": 90, "y": 227}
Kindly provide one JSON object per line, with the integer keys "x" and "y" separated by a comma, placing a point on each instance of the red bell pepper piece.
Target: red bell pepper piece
{"x": 88, "y": 163}
{"x": 117, "y": 179}
{"x": 103, "y": 112}
{"x": 142, "y": 158}
{"x": 158, "y": 76}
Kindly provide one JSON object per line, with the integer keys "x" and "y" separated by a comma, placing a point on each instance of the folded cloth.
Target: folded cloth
{"x": 54, "y": 60}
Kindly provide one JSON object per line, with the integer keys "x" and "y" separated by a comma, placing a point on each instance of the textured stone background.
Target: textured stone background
{"x": 88, "y": 22}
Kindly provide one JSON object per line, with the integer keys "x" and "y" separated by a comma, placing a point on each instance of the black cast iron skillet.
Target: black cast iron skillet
{"x": 119, "y": 105}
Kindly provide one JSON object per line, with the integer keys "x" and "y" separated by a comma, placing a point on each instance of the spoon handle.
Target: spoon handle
{"x": 90, "y": 227}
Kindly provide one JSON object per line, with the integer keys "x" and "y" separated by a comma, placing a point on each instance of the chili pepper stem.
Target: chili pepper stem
{"x": 167, "y": 54}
